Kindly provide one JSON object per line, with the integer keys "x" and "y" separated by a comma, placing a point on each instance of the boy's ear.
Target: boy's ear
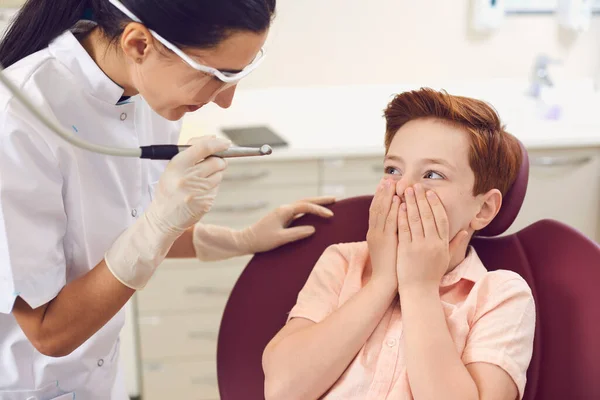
{"x": 490, "y": 204}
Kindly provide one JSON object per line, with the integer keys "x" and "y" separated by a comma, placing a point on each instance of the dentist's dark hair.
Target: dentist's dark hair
{"x": 186, "y": 23}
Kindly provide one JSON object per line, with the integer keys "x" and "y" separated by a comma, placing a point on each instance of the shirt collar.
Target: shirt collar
{"x": 471, "y": 269}
{"x": 67, "y": 50}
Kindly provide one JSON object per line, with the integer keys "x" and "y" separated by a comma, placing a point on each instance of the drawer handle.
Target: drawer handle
{"x": 199, "y": 335}
{"x": 203, "y": 380}
{"x": 253, "y": 206}
{"x": 206, "y": 290}
{"x": 153, "y": 367}
{"x": 246, "y": 176}
{"x": 560, "y": 161}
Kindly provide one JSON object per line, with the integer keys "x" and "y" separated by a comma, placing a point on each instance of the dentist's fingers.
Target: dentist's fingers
{"x": 321, "y": 200}
{"x": 200, "y": 148}
{"x": 294, "y": 210}
{"x": 296, "y": 233}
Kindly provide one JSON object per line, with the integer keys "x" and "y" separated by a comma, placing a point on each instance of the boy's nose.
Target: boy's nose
{"x": 401, "y": 186}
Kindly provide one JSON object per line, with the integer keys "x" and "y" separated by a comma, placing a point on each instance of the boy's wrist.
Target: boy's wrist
{"x": 384, "y": 285}
{"x": 417, "y": 290}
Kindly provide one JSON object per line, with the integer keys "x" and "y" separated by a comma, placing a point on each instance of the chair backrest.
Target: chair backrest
{"x": 267, "y": 290}
{"x": 560, "y": 265}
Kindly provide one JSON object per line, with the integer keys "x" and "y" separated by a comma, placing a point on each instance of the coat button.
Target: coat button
{"x": 391, "y": 342}
{"x": 123, "y": 117}
{"x": 100, "y": 362}
{"x": 134, "y": 213}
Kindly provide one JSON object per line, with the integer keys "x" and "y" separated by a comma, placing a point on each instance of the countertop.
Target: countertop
{"x": 334, "y": 122}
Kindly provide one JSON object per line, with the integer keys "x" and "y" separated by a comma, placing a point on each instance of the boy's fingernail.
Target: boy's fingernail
{"x": 430, "y": 194}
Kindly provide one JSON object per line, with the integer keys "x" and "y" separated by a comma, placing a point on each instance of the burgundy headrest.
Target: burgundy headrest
{"x": 511, "y": 203}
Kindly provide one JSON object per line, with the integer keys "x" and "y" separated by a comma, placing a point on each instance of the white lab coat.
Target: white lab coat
{"x": 61, "y": 208}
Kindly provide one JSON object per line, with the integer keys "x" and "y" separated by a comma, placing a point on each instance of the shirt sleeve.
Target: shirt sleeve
{"x": 32, "y": 217}
{"x": 320, "y": 295}
{"x": 502, "y": 331}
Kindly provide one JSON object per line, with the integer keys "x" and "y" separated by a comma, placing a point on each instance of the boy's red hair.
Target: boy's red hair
{"x": 495, "y": 155}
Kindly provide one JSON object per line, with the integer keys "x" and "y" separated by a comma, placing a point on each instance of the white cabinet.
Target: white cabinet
{"x": 190, "y": 380}
{"x": 563, "y": 185}
{"x": 180, "y": 310}
{"x": 350, "y": 177}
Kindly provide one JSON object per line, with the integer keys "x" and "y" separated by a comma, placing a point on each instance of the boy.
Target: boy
{"x": 412, "y": 312}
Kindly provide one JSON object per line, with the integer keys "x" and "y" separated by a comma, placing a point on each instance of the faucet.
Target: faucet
{"x": 540, "y": 76}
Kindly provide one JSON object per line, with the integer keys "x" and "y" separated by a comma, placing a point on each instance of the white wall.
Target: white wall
{"x": 5, "y": 15}
{"x": 330, "y": 42}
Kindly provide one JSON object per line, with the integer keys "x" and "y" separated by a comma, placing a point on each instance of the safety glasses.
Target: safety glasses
{"x": 225, "y": 77}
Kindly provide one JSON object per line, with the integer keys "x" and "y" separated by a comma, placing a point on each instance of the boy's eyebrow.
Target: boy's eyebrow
{"x": 393, "y": 158}
{"x": 437, "y": 161}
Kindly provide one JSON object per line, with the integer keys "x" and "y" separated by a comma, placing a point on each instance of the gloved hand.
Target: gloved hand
{"x": 213, "y": 242}
{"x": 185, "y": 192}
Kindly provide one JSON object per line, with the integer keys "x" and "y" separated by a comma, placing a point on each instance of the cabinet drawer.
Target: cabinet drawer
{"x": 190, "y": 380}
{"x": 345, "y": 190}
{"x": 563, "y": 185}
{"x": 233, "y": 205}
{"x": 187, "y": 289}
{"x": 179, "y": 336}
{"x": 193, "y": 263}
{"x": 364, "y": 169}
{"x": 247, "y": 175}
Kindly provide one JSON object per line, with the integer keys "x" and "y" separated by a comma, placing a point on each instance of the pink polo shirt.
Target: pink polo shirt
{"x": 490, "y": 316}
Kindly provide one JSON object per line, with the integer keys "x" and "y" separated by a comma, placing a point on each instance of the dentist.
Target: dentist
{"x": 81, "y": 232}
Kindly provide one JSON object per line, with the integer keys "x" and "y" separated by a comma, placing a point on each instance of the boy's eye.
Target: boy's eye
{"x": 391, "y": 171}
{"x": 433, "y": 175}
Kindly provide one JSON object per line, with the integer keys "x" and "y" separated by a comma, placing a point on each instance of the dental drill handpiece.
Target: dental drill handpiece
{"x": 167, "y": 152}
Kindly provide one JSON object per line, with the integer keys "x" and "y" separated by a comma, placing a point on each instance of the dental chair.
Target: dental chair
{"x": 560, "y": 264}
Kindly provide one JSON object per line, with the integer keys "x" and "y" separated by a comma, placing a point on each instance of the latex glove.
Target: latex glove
{"x": 213, "y": 242}
{"x": 185, "y": 192}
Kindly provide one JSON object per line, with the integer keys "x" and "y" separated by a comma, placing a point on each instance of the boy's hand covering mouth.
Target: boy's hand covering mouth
{"x": 424, "y": 247}
{"x": 382, "y": 236}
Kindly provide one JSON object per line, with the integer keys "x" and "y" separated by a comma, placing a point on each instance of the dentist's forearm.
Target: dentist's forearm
{"x": 183, "y": 246}
{"x": 79, "y": 310}
{"x": 209, "y": 243}
{"x": 434, "y": 367}
{"x": 305, "y": 364}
